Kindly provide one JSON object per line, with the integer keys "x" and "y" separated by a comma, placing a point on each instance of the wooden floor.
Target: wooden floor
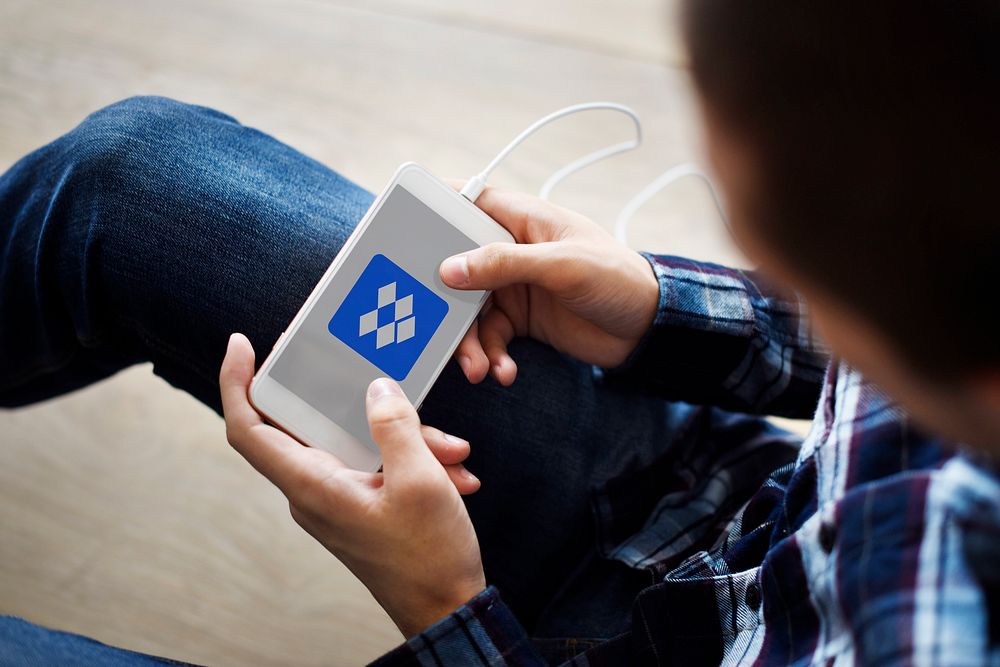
{"x": 124, "y": 514}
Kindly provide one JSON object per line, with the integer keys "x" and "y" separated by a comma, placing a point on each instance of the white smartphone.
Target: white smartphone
{"x": 379, "y": 310}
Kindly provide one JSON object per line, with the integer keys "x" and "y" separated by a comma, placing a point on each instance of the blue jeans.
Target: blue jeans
{"x": 155, "y": 229}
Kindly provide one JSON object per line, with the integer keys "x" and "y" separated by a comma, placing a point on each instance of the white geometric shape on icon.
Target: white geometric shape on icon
{"x": 403, "y": 326}
{"x": 385, "y": 335}
{"x": 386, "y": 294}
{"x": 404, "y": 307}
{"x": 368, "y": 323}
{"x": 406, "y": 329}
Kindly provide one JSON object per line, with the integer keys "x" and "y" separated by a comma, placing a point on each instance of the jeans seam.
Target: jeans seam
{"x": 38, "y": 371}
{"x": 158, "y": 345}
{"x": 152, "y": 341}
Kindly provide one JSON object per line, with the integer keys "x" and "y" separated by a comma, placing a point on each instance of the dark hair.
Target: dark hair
{"x": 874, "y": 131}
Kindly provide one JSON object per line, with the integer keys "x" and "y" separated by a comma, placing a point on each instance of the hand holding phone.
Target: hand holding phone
{"x": 404, "y": 531}
{"x": 380, "y": 310}
{"x": 567, "y": 282}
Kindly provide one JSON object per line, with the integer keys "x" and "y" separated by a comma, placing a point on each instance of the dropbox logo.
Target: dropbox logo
{"x": 388, "y": 317}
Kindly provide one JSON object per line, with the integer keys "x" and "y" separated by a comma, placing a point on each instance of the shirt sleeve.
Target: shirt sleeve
{"x": 725, "y": 337}
{"x": 484, "y": 631}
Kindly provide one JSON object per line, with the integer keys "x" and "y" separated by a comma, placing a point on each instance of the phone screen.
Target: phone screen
{"x": 385, "y": 313}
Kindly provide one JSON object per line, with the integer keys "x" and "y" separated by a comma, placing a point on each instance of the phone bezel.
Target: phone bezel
{"x": 286, "y": 410}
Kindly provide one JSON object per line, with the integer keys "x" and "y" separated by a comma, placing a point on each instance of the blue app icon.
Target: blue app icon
{"x": 388, "y": 317}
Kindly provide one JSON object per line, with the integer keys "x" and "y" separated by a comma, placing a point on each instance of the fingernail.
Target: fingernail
{"x": 231, "y": 343}
{"x": 454, "y": 439}
{"x": 455, "y": 270}
{"x": 469, "y": 476}
{"x": 463, "y": 363}
{"x": 496, "y": 371}
{"x": 383, "y": 387}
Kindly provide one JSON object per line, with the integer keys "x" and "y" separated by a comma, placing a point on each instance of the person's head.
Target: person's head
{"x": 859, "y": 148}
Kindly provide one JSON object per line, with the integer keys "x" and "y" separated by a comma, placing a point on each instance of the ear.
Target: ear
{"x": 986, "y": 392}
{"x": 986, "y": 388}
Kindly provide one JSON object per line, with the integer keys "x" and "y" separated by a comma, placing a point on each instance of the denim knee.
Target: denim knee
{"x": 147, "y": 157}
{"x": 140, "y": 121}
{"x": 134, "y": 147}
{"x": 136, "y": 122}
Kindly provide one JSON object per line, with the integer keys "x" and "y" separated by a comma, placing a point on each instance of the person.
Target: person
{"x": 630, "y": 504}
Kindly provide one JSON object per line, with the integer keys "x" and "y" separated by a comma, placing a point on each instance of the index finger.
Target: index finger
{"x": 529, "y": 219}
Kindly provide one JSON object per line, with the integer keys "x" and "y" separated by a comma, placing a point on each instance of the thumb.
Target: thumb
{"x": 234, "y": 379}
{"x": 501, "y": 264}
{"x": 395, "y": 428}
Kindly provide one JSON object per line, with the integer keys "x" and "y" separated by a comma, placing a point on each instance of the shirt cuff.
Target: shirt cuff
{"x": 698, "y": 297}
{"x": 635, "y": 358}
{"x": 483, "y": 631}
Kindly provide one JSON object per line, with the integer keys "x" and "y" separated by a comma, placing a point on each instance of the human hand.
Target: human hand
{"x": 404, "y": 532}
{"x": 566, "y": 282}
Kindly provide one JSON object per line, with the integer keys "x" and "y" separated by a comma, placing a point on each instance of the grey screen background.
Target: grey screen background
{"x": 329, "y": 375}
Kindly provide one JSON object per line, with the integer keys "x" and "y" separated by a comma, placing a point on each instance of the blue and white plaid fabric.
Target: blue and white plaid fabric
{"x": 876, "y": 545}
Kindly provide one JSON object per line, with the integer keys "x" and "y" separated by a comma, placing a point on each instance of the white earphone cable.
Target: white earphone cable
{"x": 664, "y": 180}
{"x": 475, "y": 186}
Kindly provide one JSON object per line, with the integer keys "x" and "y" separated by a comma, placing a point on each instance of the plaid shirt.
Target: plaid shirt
{"x": 871, "y": 543}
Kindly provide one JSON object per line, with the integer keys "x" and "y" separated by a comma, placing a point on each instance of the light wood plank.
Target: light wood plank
{"x": 640, "y": 29}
